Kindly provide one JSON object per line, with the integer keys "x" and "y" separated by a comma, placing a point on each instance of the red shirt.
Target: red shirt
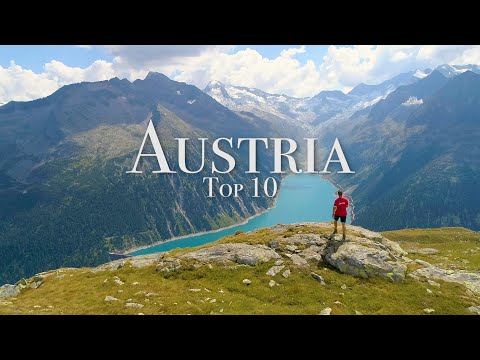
{"x": 341, "y": 204}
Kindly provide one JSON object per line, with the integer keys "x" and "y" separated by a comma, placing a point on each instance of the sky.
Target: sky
{"x": 29, "y": 72}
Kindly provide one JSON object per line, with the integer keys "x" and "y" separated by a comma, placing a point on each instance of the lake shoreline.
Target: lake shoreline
{"x": 134, "y": 249}
{"x": 180, "y": 237}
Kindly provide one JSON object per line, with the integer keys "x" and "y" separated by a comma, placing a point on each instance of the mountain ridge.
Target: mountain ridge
{"x": 65, "y": 197}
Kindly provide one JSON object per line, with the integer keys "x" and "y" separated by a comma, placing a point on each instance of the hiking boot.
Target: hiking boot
{"x": 343, "y": 237}
{"x": 334, "y": 232}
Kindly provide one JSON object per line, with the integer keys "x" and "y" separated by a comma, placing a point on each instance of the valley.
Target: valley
{"x": 410, "y": 146}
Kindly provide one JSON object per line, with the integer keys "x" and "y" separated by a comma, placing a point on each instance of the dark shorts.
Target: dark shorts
{"x": 342, "y": 218}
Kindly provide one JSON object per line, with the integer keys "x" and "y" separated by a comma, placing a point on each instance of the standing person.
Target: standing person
{"x": 340, "y": 211}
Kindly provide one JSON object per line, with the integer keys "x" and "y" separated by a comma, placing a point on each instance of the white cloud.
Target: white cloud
{"x": 19, "y": 84}
{"x": 343, "y": 67}
{"x": 412, "y": 101}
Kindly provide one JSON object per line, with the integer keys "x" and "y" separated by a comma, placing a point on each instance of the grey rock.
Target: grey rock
{"x": 273, "y": 244}
{"x": 429, "y": 291}
{"x": 366, "y": 258}
{"x": 111, "y": 298}
{"x": 474, "y": 309}
{"x": 304, "y": 239}
{"x": 343, "y": 287}
{"x": 316, "y": 248}
{"x": 278, "y": 262}
{"x": 371, "y": 235}
{"x": 426, "y": 251}
{"x": 308, "y": 254}
{"x": 291, "y": 248}
{"x": 358, "y": 312}
{"x": 428, "y": 310}
{"x": 118, "y": 281}
{"x": 169, "y": 264}
{"x": 274, "y": 270}
{"x": 134, "y": 305}
{"x": 299, "y": 261}
{"x": 36, "y": 284}
{"x": 286, "y": 273}
{"x": 423, "y": 263}
{"x": 272, "y": 283}
{"x": 8, "y": 290}
{"x": 393, "y": 247}
{"x": 433, "y": 283}
{"x": 326, "y": 311}
{"x": 247, "y": 281}
{"x": 319, "y": 278}
{"x": 135, "y": 261}
{"x": 470, "y": 279}
{"x": 239, "y": 253}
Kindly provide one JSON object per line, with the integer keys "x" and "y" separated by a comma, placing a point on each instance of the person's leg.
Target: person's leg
{"x": 335, "y": 223}
{"x": 344, "y": 228}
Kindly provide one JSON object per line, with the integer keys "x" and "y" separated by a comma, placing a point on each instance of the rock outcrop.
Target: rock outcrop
{"x": 236, "y": 252}
{"x": 470, "y": 279}
{"x": 367, "y": 258}
{"x": 8, "y": 290}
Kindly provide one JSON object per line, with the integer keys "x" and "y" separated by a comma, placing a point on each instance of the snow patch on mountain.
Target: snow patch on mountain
{"x": 412, "y": 101}
{"x": 324, "y": 108}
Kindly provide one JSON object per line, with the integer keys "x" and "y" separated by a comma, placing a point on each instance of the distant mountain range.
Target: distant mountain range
{"x": 413, "y": 140}
{"x": 303, "y": 112}
{"x": 417, "y": 152}
{"x": 66, "y": 200}
{"x": 312, "y": 111}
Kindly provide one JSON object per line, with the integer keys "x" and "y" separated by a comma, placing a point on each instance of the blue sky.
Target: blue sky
{"x": 33, "y": 57}
{"x": 30, "y": 72}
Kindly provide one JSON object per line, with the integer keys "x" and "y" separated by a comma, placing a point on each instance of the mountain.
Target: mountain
{"x": 370, "y": 92}
{"x": 284, "y": 269}
{"x": 289, "y": 113}
{"x": 244, "y": 99}
{"x": 66, "y": 198}
{"x": 409, "y": 139}
{"x": 454, "y": 70}
{"x": 416, "y": 155}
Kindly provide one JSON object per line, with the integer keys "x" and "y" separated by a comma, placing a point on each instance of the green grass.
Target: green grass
{"x": 459, "y": 248}
{"x": 80, "y": 291}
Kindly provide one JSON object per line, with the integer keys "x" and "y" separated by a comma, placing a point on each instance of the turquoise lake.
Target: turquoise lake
{"x": 301, "y": 197}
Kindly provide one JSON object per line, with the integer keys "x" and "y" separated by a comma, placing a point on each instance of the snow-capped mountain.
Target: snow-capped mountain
{"x": 450, "y": 71}
{"x": 370, "y": 92}
{"x": 260, "y": 103}
{"x": 326, "y": 106}
{"x": 304, "y": 112}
